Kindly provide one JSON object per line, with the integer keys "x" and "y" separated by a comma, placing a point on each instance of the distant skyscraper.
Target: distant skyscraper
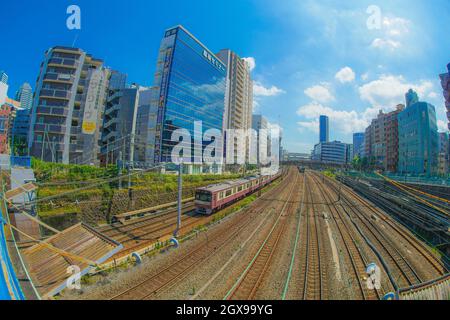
{"x": 445, "y": 82}
{"x": 191, "y": 83}
{"x": 259, "y": 122}
{"x": 358, "y": 142}
{"x": 3, "y": 87}
{"x": 3, "y": 77}
{"x": 68, "y": 106}
{"x": 25, "y": 96}
{"x": 324, "y": 129}
{"x": 418, "y": 139}
{"x": 411, "y": 97}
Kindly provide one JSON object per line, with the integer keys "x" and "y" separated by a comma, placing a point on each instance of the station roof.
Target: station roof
{"x": 48, "y": 268}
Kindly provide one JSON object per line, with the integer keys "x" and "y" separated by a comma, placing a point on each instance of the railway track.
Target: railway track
{"x": 151, "y": 285}
{"x": 313, "y": 270}
{"x": 405, "y": 274}
{"x": 435, "y": 263}
{"x": 357, "y": 259}
{"x": 246, "y": 286}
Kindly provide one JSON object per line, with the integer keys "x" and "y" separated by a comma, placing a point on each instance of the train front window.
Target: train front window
{"x": 203, "y": 196}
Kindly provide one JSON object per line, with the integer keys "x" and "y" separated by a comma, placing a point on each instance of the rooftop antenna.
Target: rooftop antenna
{"x": 75, "y": 40}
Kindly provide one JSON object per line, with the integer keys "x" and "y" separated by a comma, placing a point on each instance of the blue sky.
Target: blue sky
{"x": 311, "y": 57}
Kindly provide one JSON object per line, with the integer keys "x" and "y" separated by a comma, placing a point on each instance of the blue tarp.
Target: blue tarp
{"x": 9, "y": 284}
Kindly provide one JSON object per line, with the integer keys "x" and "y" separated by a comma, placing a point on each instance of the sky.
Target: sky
{"x": 345, "y": 59}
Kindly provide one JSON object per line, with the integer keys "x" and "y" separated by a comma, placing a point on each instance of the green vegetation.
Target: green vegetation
{"x": 330, "y": 173}
{"x": 364, "y": 163}
{"x": 93, "y": 195}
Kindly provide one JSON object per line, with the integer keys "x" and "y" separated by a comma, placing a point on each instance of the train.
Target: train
{"x": 215, "y": 197}
{"x": 301, "y": 169}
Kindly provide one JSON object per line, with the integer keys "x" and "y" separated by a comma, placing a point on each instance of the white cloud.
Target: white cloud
{"x": 394, "y": 30}
{"x": 251, "y": 63}
{"x": 442, "y": 126}
{"x": 346, "y": 74}
{"x": 342, "y": 120}
{"x": 389, "y": 90}
{"x": 396, "y": 26}
{"x": 312, "y": 125}
{"x": 260, "y": 90}
{"x": 319, "y": 93}
{"x": 385, "y": 44}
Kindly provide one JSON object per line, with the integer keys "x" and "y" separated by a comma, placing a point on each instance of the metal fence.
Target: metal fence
{"x": 438, "y": 181}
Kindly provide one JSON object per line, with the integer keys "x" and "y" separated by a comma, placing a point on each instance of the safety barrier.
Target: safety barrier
{"x": 437, "y": 181}
{"x": 438, "y": 289}
{"x": 9, "y": 284}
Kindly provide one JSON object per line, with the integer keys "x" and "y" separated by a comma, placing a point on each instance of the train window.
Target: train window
{"x": 203, "y": 196}
{"x": 228, "y": 192}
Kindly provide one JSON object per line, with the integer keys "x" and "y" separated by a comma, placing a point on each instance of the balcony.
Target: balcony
{"x": 59, "y": 77}
{"x": 52, "y": 111}
{"x": 50, "y": 128}
{"x": 55, "y": 94}
{"x": 63, "y": 63}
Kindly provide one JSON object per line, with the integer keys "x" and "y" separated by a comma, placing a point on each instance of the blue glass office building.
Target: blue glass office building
{"x": 324, "y": 129}
{"x": 191, "y": 82}
{"x": 418, "y": 140}
{"x": 358, "y": 144}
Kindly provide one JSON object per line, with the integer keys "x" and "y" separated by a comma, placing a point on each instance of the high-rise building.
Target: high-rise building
{"x": 239, "y": 92}
{"x": 381, "y": 140}
{"x": 324, "y": 129}
{"x": 330, "y": 152}
{"x": 358, "y": 143}
{"x": 259, "y": 124}
{"x": 25, "y": 96}
{"x": 3, "y": 87}
{"x": 146, "y": 128}
{"x": 191, "y": 83}
{"x": 3, "y": 77}
{"x": 68, "y": 107}
{"x": 443, "y": 156}
{"x": 349, "y": 152}
{"x": 418, "y": 139}
{"x": 445, "y": 82}
{"x": 119, "y": 125}
{"x": 7, "y": 114}
{"x": 19, "y": 131}
{"x": 239, "y": 95}
{"x": 411, "y": 97}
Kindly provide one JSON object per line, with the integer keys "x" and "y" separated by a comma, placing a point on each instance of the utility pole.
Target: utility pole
{"x": 120, "y": 162}
{"x": 180, "y": 191}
